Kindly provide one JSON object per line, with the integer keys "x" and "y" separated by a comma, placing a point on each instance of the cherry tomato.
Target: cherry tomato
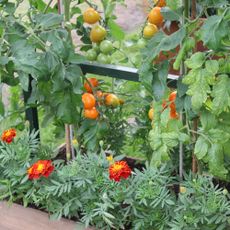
{"x": 91, "y": 55}
{"x": 106, "y": 47}
{"x": 104, "y": 59}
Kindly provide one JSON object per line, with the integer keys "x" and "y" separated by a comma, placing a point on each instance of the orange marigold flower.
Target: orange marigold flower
{"x": 40, "y": 168}
{"x": 8, "y": 135}
{"x": 118, "y": 170}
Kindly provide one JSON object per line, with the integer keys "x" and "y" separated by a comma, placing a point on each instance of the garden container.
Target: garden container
{"x": 17, "y": 217}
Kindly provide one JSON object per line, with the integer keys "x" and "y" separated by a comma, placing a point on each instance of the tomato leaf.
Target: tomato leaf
{"x": 212, "y": 66}
{"x": 160, "y": 42}
{"x": 221, "y": 94}
{"x": 195, "y": 61}
{"x": 159, "y": 80}
{"x": 198, "y": 81}
{"x": 216, "y": 161}
{"x": 208, "y": 120}
{"x": 47, "y": 21}
{"x": 171, "y": 15}
{"x": 213, "y": 31}
{"x": 201, "y": 148}
{"x": 115, "y": 30}
{"x": 2, "y": 108}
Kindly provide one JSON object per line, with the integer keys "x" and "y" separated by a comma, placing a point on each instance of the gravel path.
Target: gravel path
{"x": 133, "y": 15}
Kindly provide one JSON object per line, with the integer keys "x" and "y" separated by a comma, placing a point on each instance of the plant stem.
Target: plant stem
{"x": 67, "y": 10}
{"x": 193, "y": 9}
{"x": 67, "y": 127}
{"x": 68, "y": 144}
{"x": 47, "y": 6}
{"x": 186, "y": 9}
{"x": 194, "y": 160}
{"x": 195, "y": 122}
{"x": 182, "y": 72}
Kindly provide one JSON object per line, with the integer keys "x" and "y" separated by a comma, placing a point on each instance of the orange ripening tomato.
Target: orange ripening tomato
{"x": 97, "y": 34}
{"x": 112, "y": 100}
{"x": 150, "y": 30}
{"x": 174, "y": 114}
{"x": 91, "y": 16}
{"x": 160, "y": 3}
{"x": 88, "y": 100}
{"x": 155, "y": 17}
{"x": 151, "y": 114}
{"x": 172, "y": 98}
{"x": 100, "y": 97}
{"x": 121, "y": 101}
{"x": 99, "y": 94}
{"x": 94, "y": 83}
{"x": 91, "y": 113}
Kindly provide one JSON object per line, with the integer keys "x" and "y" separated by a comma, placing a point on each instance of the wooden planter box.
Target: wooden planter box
{"x": 16, "y": 217}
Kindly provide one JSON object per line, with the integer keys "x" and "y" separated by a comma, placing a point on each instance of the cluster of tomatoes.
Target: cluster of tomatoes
{"x": 155, "y": 19}
{"x": 101, "y": 49}
{"x": 94, "y": 98}
{"x": 169, "y": 103}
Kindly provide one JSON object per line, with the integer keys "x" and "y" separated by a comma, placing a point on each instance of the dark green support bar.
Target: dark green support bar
{"x": 119, "y": 72}
{"x": 31, "y": 113}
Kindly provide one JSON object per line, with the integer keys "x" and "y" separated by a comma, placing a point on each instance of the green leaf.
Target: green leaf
{"x": 165, "y": 117}
{"x": 9, "y": 7}
{"x": 58, "y": 78}
{"x": 201, "y": 148}
{"x": 199, "y": 88}
{"x": 159, "y": 81}
{"x": 195, "y": 61}
{"x": 155, "y": 139}
{"x": 24, "y": 80}
{"x": 184, "y": 137}
{"x": 216, "y": 161}
{"x": 169, "y": 14}
{"x": 218, "y": 136}
{"x": 73, "y": 74}
{"x": 221, "y": 95}
{"x": 160, "y": 42}
{"x": 66, "y": 109}
{"x": 212, "y": 66}
{"x": 47, "y": 21}
{"x": 174, "y": 4}
{"x": 50, "y": 61}
{"x": 213, "y": 31}
{"x": 160, "y": 156}
{"x": 2, "y": 108}
{"x": 170, "y": 139}
{"x": 115, "y": 30}
{"x": 75, "y": 58}
{"x": 4, "y": 60}
{"x": 24, "y": 180}
{"x": 208, "y": 120}
{"x": 41, "y": 6}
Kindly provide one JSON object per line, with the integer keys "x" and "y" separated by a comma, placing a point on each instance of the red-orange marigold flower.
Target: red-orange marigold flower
{"x": 8, "y": 135}
{"x": 118, "y": 170}
{"x": 40, "y": 168}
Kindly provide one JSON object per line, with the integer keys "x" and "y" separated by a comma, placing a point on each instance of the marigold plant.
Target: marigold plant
{"x": 40, "y": 168}
{"x": 118, "y": 170}
{"x": 8, "y": 135}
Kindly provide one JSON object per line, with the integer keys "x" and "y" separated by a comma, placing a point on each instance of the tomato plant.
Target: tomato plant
{"x": 202, "y": 94}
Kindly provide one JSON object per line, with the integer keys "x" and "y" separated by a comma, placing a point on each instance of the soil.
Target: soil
{"x": 132, "y": 162}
